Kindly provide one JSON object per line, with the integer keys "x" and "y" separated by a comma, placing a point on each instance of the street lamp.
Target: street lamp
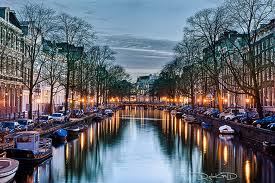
{"x": 247, "y": 102}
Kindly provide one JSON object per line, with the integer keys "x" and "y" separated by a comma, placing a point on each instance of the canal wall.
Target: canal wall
{"x": 67, "y": 124}
{"x": 257, "y": 135}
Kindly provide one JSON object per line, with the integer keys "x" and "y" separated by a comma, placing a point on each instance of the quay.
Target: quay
{"x": 255, "y": 135}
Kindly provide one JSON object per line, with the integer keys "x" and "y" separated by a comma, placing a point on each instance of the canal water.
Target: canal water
{"x": 150, "y": 146}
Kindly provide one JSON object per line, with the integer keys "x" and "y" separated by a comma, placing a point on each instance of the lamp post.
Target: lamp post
{"x": 38, "y": 101}
{"x": 247, "y": 102}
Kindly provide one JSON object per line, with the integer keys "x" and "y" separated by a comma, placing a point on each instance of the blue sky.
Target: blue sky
{"x": 142, "y": 32}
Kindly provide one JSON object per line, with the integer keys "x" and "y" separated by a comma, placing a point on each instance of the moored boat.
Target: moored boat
{"x": 189, "y": 118}
{"x": 60, "y": 135}
{"x": 28, "y": 147}
{"x": 98, "y": 117}
{"x": 8, "y": 168}
{"x": 82, "y": 127}
{"x": 225, "y": 129}
{"x": 73, "y": 131}
{"x": 206, "y": 125}
{"x": 108, "y": 112}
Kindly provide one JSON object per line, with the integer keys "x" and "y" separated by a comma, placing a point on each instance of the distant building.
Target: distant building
{"x": 13, "y": 50}
{"x": 143, "y": 86}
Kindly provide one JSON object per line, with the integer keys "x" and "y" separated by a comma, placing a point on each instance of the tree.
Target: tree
{"x": 52, "y": 71}
{"x": 188, "y": 54}
{"x": 38, "y": 20}
{"x": 73, "y": 31}
{"x": 247, "y": 16}
{"x": 206, "y": 25}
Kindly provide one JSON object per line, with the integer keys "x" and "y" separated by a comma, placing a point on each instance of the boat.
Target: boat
{"x": 189, "y": 118}
{"x": 73, "y": 131}
{"x": 225, "y": 129}
{"x": 206, "y": 125}
{"x": 60, "y": 134}
{"x": 173, "y": 112}
{"x": 98, "y": 117}
{"x": 8, "y": 168}
{"x": 108, "y": 112}
{"x": 28, "y": 147}
{"x": 82, "y": 127}
{"x": 268, "y": 145}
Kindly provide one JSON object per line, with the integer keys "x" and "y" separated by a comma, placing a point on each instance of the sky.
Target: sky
{"x": 142, "y": 32}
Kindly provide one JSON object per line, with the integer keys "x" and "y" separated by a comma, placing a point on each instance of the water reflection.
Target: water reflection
{"x": 139, "y": 145}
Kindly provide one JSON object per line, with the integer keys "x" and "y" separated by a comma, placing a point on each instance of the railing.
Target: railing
{"x": 45, "y": 145}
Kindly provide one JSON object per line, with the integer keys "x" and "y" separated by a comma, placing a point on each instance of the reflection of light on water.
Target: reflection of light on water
{"x": 204, "y": 143}
{"x": 175, "y": 126}
{"x": 82, "y": 140}
{"x": 247, "y": 170}
{"x": 180, "y": 128}
{"x": 91, "y": 135}
{"x": 67, "y": 151}
{"x": 185, "y": 131}
{"x": 198, "y": 137}
{"x": 225, "y": 154}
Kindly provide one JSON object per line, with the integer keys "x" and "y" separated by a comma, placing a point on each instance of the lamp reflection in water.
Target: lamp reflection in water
{"x": 225, "y": 154}
{"x": 198, "y": 137}
{"x": 247, "y": 171}
{"x": 82, "y": 140}
{"x": 91, "y": 135}
{"x": 204, "y": 144}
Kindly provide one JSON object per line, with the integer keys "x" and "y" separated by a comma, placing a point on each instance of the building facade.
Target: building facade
{"x": 144, "y": 85}
{"x": 13, "y": 51}
{"x": 227, "y": 46}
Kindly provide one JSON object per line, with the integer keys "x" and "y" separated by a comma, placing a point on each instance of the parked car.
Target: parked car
{"x": 44, "y": 119}
{"x": 76, "y": 113}
{"x": 271, "y": 126}
{"x": 262, "y": 123}
{"x": 58, "y": 117}
{"x": 26, "y": 124}
{"x": 214, "y": 113}
{"x": 231, "y": 116}
{"x": 10, "y": 126}
{"x": 231, "y": 111}
{"x": 246, "y": 118}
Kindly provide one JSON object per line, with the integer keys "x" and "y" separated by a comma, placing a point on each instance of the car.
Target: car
{"x": 214, "y": 113}
{"x": 10, "y": 126}
{"x": 76, "y": 113}
{"x": 26, "y": 123}
{"x": 57, "y": 117}
{"x": 231, "y": 116}
{"x": 262, "y": 123}
{"x": 271, "y": 126}
{"x": 246, "y": 118}
{"x": 44, "y": 119}
{"x": 230, "y": 111}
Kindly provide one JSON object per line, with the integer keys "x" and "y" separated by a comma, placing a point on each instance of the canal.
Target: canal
{"x": 150, "y": 146}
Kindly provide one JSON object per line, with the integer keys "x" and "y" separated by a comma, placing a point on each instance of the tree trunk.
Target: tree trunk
{"x": 30, "y": 103}
{"x": 51, "y": 100}
{"x": 259, "y": 106}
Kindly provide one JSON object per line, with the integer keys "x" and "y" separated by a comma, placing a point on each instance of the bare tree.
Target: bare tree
{"x": 53, "y": 69}
{"x": 206, "y": 25}
{"x": 246, "y": 67}
{"x": 38, "y": 20}
{"x": 73, "y": 31}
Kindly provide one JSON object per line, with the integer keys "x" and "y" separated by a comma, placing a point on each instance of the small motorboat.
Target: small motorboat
{"x": 73, "y": 131}
{"x": 225, "y": 129}
{"x": 189, "y": 118}
{"x": 28, "y": 147}
{"x": 206, "y": 125}
{"x": 173, "y": 112}
{"x": 268, "y": 145}
{"x": 109, "y": 112}
{"x": 98, "y": 117}
{"x": 82, "y": 127}
{"x": 8, "y": 168}
{"x": 60, "y": 135}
